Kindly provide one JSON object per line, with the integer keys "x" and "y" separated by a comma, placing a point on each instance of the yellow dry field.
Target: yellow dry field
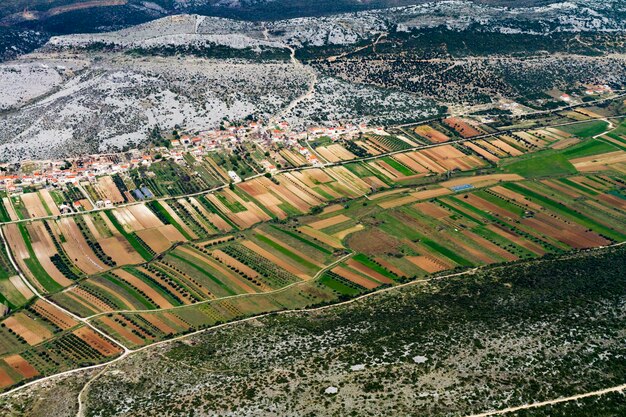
{"x": 161, "y": 238}
{"x": 29, "y": 329}
{"x": 601, "y": 162}
{"x": 7, "y": 204}
{"x": 414, "y": 197}
{"x": 342, "y": 234}
{"x": 331, "y": 221}
{"x": 122, "y": 252}
{"x": 322, "y": 237}
{"x": 108, "y": 190}
{"x": 33, "y": 205}
{"x": 482, "y": 180}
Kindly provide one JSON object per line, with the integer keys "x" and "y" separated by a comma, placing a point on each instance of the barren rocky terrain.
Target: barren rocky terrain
{"x": 104, "y": 91}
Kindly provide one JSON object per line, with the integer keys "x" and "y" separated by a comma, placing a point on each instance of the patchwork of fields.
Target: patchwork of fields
{"x": 385, "y": 210}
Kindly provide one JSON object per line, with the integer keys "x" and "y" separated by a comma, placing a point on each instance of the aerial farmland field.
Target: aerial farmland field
{"x": 93, "y": 284}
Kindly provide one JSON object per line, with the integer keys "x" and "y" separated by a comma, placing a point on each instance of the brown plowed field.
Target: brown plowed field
{"x": 432, "y": 210}
{"x": 354, "y": 277}
{"x": 159, "y": 324}
{"x": 431, "y": 134}
{"x": 368, "y": 271}
{"x": 54, "y": 315}
{"x": 21, "y": 365}
{"x": 5, "y": 379}
{"x": 147, "y": 289}
{"x": 462, "y": 127}
{"x": 122, "y": 331}
{"x": 28, "y": 328}
{"x": 427, "y": 263}
{"x": 120, "y": 250}
{"x": 96, "y": 341}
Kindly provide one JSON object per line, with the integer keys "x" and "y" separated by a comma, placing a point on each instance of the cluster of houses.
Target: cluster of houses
{"x": 89, "y": 167}
{"x": 69, "y": 171}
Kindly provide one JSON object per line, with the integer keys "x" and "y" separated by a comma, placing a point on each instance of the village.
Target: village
{"x": 35, "y": 174}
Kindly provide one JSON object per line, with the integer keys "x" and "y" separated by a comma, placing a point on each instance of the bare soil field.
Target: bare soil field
{"x": 427, "y": 263}
{"x": 121, "y": 330}
{"x": 27, "y": 328}
{"x": 465, "y": 129}
{"x": 414, "y": 197}
{"x": 161, "y": 238}
{"x": 482, "y": 152}
{"x": 54, "y": 315}
{"x": 108, "y": 190}
{"x": 5, "y": 379}
{"x": 120, "y": 250}
{"x": 78, "y": 249}
{"x": 331, "y": 241}
{"x": 599, "y": 162}
{"x": 21, "y": 287}
{"x": 33, "y": 205}
{"x": 354, "y": 277}
{"x": 331, "y": 221}
{"x": 21, "y": 365}
{"x": 342, "y": 234}
{"x": 373, "y": 241}
{"x": 160, "y": 301}
{"x": 144, "y": 216}
{"x": 96, "y": 341}
{"x": 480, "y": 181}
{"x": 432, "y": 210}
{"x": 431, "y": 134}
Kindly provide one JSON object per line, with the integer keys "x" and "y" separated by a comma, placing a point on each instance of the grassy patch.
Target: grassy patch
{"x": 338, "y": 286}
{"x": 588, "y": 148}
{"x": 542, "y": 166}
{"x": 364, "y": 260}
{"x": 585, "y": 130}
{"x": 398, "y": 166}
{"x": 286, "y": 252}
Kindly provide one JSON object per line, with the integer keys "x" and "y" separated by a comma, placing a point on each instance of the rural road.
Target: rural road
{"x": 604, "y": 391}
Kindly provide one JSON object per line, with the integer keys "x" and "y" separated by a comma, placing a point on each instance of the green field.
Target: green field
{"x": 588, "y": 148}
{"x": 586, "y": 129}
{"x": 542, "y": 166}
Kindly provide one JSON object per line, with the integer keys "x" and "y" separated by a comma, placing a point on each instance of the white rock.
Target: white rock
{"x": 331, "y": 390}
